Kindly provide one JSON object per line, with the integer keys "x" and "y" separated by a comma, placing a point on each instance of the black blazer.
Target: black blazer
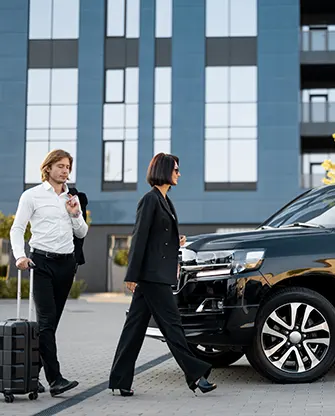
{"x": 153, "y": 255}
{"x": 79, "y": 242}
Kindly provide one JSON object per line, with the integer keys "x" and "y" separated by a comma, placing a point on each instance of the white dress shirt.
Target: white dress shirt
{"x": 52, "y": 228}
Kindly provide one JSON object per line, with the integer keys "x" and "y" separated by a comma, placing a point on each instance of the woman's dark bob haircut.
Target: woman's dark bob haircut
{"x": 160, "y": 169}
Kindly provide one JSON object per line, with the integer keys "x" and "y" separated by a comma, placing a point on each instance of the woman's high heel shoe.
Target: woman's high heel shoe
{"x": 204, "y": 385}
{"x": 125, "y": 392}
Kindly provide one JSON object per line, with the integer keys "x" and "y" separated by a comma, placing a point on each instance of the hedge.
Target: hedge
{"x": 8, "y": 288}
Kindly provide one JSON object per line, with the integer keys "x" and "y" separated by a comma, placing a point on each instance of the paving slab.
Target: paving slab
{"x": 87, "y": 338}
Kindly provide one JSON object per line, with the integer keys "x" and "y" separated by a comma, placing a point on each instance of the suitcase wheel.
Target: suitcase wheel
{"x": 9, "y": 398}
{"x": 33, "y": 396}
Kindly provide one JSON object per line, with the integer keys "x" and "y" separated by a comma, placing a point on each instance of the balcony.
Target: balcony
{"x": 314, "y": 112}
{"x": 317, "y": 118}
{"x": 316, "y": 40}
{"x": 311, "y": 180}
{"x": 317, "y": 46}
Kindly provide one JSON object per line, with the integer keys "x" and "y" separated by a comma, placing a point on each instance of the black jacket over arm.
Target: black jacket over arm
{"x": 153, "y": 255}
{"x": 79, "y": 242}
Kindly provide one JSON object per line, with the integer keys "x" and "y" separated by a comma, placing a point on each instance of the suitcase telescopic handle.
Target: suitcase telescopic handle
{"x": 19, "y": 293}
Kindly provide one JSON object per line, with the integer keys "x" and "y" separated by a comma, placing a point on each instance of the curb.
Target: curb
{"x": 110, "y": 297}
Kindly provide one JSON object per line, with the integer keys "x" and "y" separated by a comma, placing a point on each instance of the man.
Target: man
{"x": 55, "y": 217}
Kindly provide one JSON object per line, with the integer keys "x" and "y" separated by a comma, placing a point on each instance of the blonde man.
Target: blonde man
{"x": 55, "y": 217}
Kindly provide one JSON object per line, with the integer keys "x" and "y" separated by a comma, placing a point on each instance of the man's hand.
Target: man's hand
{"x": 23, "y": 263}
{"x": 72, "y": 205}
{"x": 182, "y": 240}
{"x": 131, "y": 286}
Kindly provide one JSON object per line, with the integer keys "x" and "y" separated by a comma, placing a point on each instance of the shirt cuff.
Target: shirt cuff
{"x": 19, "y": 255}
{"x": 77, "y": 220}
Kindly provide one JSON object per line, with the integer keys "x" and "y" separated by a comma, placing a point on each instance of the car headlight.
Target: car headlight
{"x": 209, "y": 263}
{"x": 246, "y": 260}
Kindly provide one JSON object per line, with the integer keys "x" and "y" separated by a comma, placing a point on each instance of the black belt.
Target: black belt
{"x": 52, "y": 255}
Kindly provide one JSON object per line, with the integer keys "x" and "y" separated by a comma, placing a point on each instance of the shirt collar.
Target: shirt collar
{"x": 48, "y": 186}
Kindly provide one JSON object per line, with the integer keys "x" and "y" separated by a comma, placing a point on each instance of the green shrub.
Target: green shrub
{"x": 3, "y": 288}
{"x": 3, "y": 270}
{"x": 77, "y": 288}
{"x": 8, "y": 289}
{"x": 12, "y": 288}
{"x": 121, "y": 257}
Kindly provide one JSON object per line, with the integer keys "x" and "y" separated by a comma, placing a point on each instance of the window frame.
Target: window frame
{"x": 123, "y": 89}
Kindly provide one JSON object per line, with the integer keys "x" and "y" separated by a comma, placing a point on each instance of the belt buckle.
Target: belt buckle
{"x": 49, "y": 255}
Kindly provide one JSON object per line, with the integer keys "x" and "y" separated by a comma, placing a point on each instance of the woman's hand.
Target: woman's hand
{"x": 131, "y": 286}
{"x": 182, "y": 240}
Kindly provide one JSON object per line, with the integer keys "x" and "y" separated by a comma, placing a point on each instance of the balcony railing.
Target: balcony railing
{"x": 318, "y": 40}
{"x": 318, "y": 112}
{"x": 311, "y": 180}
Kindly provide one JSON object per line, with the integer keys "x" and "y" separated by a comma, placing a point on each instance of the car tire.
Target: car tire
{"x": 294, "y": 322}
{"x": 217, "y": 357}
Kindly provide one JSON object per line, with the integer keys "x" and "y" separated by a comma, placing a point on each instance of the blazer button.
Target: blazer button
{"x": 166, "y": 229}
{"x": 166, "y": 244}
{"x": 163, "y": 257}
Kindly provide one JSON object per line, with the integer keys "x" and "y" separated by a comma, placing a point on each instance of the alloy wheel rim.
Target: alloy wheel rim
{"x": 295, "y": 337}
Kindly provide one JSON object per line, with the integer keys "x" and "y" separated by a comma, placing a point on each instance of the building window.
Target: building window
{"x": 54, "y": 19}
{"x": 225, "y": 19}
{"x": 318, "y": 38}
{"x": 162, "y": 118}
{"x": 163, "y": 26}
{"x": 312, "y": 171}
{"x": 231, "y": 127}
{"x": 115, "y": 86}
{"x": 318, "y": 105}
{"x": 52, "y": 87}
{"x": 120, "y": 123}
{"x": 231, "y": 95}
{"x": 121, "y": 128}
{"x": 163, "y": 77}
{"x": 123, "y": 18}
{"x": 51, "y": 117}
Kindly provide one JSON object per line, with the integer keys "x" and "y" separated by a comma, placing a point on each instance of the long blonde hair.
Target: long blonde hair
{"x": 50, "y": 159}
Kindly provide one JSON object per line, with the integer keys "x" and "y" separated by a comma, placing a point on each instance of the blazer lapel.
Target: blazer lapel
{"x": 166, "y": 205}
{"x": 172, "y": 209}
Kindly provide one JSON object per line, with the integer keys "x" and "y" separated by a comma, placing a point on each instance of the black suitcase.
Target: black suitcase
{"x": 19, "y": 352}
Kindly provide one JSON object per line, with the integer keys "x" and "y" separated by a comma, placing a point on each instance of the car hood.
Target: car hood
{"x": 249, "y": 239}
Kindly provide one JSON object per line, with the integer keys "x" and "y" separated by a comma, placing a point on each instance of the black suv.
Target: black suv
{"x": 267, "y": 293}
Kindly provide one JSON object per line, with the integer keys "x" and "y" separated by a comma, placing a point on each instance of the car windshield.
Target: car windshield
{"x": 315, "y": 207}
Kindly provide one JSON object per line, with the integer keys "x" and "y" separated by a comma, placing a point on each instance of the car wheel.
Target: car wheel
{"x": 294, "y": 340}
{"x": 217, "y": 356}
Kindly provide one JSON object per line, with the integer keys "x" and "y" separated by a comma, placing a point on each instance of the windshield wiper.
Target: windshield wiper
{"x": 302, "y": 224}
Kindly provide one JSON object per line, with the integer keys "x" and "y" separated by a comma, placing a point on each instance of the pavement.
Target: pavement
{"x": 87, "y": 338}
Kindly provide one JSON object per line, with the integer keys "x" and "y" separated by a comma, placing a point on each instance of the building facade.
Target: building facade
{"x": 240, "y": 90}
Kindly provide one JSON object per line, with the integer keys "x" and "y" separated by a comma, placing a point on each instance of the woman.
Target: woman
{"x": 152, "y": 269}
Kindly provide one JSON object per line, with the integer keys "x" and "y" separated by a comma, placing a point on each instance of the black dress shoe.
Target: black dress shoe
{"x": 61, "y": 386}
{"x": 41, "y": 388}
{"x": 203, "y": 385}
{"x": 125, "y": 392}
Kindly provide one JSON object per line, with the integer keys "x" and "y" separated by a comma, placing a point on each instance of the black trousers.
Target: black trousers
{"x": 157, "y": 300}
{"x": 53, "y": 278}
